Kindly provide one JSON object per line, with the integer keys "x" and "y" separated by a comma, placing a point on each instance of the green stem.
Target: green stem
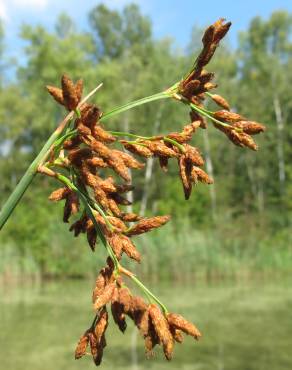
{"x": 206, "y": 114}
{"x": 121, "y": 133}
{"x": 136, "y": 103}
{"x": 61, "y": 140}
{"x": 149, "y": 293}
{"x": 90, "y": 214}
{"x": 175, "y": 143}
{"x": 25, "y": 181}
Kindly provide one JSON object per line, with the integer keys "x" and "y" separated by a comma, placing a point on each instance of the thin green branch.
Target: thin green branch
{"x": 136, "y": 103}
{"x": 149, "y": 293}
{"x": 175, "y": 143}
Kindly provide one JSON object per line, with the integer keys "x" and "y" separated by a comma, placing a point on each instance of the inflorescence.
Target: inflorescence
{"x": 95, "y": 178}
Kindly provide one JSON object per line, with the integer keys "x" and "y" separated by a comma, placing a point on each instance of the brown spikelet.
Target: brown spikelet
{"x": 118, "y": 224}
{"x": 79, "y": 89}
{"x": 250, "y": 127}
{"x": 101, "y": 135}
{"x": 185, "y": 168}
{"x": 199, "y": 175}
{"x": 130, "y": 217}
{"x": 118, "y": 165}
{"x": 142, "y": 321}
{"x": 219, "y": 100}
{"x": 193, "y": 155}
{"x": 96, "y": 162}
{"x": 186, "y": 134}
{"x": 221, "y": 30}
{"x": 105, "y": 297}
{"x": 82, "y": 129}
{"x": 72, "y": 143}
{"x": 69, "y": 93}
{"x": 118, "y": 315}
{"x": 148, "y": 224}
{"x": 241, "y": 139}
{"x": 117, "y": 245}
{"x": 176, "y": 334}
{"x": 163, "y": 162}
{"x": 151, "y": 340}
{"x": 189, "y": 88}
{"x": 141, "y": 150}
{"x": 130, "y": 249}
{"x": 181, "y": 323}
{"x": 160, "y": 149}
{"x": 106, "y": 185}
{"x": 162, "y": 329}
{"x": 59, "y": 194}
{"x": 99, "y": 285}
{"x": 125, "y": 299}
{"x": 91, "y": 234}
{"x": 138, "y": 304}
{"x": 97, "y": 340}
{"x": 90, "y": 115}
{"x": 208, "y": 86}
{"x": 120, "y": 200}
{"x": 101, "y": 197}
{"x": 101, "y": 324}
{"x": 82, "y": 346}
{"x": 206, "y": 77}
{"x": 71, "y": 206}
{"x": 129, "y": 161}
{"x": 208, "y": 36}
{"x": 79, "y": 226}
{"x": 56, "y": 93}
{"x": 94, "y": 348}
{"x": 225, "y": 115}
{"x": 114, "y": 208}
{"x": 195, "y": 117}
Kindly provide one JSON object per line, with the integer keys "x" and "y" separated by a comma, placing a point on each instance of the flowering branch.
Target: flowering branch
{"x": 77, "y": 158}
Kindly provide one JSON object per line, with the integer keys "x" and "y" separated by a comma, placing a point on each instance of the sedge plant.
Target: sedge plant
{"x": 92, "y": 166}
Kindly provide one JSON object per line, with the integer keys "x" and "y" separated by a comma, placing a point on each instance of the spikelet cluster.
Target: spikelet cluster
{"x": 98, "y": 165}
{"x": 87, "y": 155}
{"x": 155, "y": 326}
{"x": 196, "y": 86}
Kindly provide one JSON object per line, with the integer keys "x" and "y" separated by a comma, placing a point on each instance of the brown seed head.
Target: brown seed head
{"x": 219, "y": 100}
{"x": 199, "y": 175}
{"x": 125, "y": 299}
{"x": 79, "y": 89}
{"x": 105, "y": 297}
{"x": 82, "y": 346}
{"x": 148, "y": 224}
{"x": 56, "y": 93}
{"x": 225, "y": 115}
{"x": 179, "y": 322}
{"x": 69, "y": 94}
{"x": 141, "y": 150}
{"x": 162, "y": 329}
{"x": 59, "y": 194}
{"x": 250, "y": 127}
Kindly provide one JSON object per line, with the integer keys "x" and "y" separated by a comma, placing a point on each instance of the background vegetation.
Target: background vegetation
{"x": 237, "y": 227}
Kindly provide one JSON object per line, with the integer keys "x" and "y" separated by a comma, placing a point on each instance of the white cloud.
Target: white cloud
{"x": 40, "y": 4}
{"x": 3, "y": 10}
{"x": 7, "y": 5}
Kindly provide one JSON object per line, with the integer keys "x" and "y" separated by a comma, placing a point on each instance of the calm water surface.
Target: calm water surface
{"x": 245, "y": 327}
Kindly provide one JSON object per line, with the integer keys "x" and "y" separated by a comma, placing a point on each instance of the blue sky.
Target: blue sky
{"x": 173, "y": 18}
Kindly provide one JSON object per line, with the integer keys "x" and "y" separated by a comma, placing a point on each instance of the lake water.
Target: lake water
{"x": 245, "y": 326}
